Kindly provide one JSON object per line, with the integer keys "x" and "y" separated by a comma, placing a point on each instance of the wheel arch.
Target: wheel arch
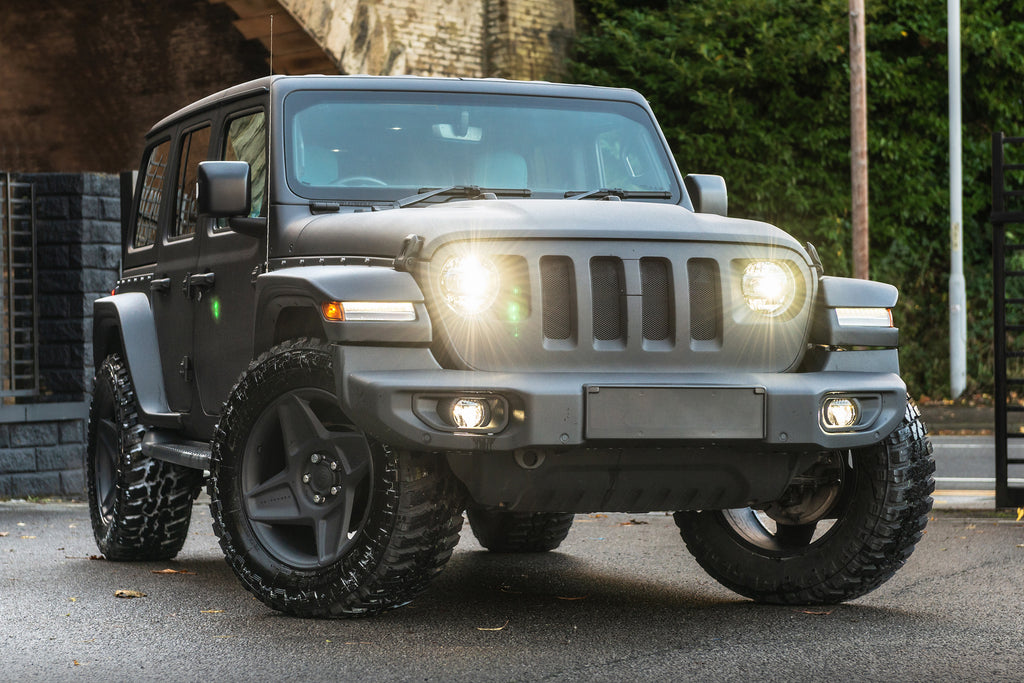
{"x": 288, "y": 305}
{"x": 124, "y": 324}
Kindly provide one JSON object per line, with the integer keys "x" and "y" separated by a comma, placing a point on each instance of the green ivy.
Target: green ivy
{"x": 758, "y": 91}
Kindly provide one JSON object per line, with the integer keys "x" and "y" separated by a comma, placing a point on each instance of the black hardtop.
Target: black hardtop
{"x": 281, "y": 85}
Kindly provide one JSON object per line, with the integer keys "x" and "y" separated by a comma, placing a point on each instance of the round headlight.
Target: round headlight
{"x": 469, "y": 284}
{"x": 768, "y": 287}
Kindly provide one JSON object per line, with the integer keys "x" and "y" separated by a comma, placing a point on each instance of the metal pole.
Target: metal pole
{"x": 957, "y": 285}
{"x": 858, "y": 140}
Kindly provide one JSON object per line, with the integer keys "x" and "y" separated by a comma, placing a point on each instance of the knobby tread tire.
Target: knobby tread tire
{"x": 413, "y": 526}
{"x": 502, "y": 531}
{"x": 152, "y": 504}
{"x": 882, "y": 523}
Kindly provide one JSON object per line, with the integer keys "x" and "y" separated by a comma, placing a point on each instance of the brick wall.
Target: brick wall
{"x": 78, "y": 237}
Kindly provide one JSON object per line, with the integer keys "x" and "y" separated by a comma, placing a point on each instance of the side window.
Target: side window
{"x": 245, "y": 139}
{"x": 152, "y": 193}
{"x": 195, "y": 146}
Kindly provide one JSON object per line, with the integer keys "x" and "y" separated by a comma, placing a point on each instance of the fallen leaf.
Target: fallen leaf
{"x": 96, "y": 557}
{"x": 223, "y": 636}
{"x": 73, "y": 599}
{"x": 813, "y": 613}
{"x": 76, "y": 662}
{"x": 971, "y": 526}
{"x": 597, "y": 516}
{"x": 1020, "y": 514}
{"x": 632, "y": 522}
{"x": 128, "y": 594}
{"x": 21, "y": 523}
{"x": 211, "y": 611}
{"x": 171, "y": 571}
{"x": 1020, "y": 545}
{"x": 500, "y": 628}
{"x": 28, "y": 536}
{"x": 4, "y": 533}
{"x": 581, "y": 597}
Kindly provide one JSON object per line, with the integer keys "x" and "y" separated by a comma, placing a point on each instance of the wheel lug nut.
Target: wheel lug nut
{"x": 315, "y": 458}
{"x": 334, "y": 465}
{"x": 317, "y": 498}
{"x": 334, "y": 490}
{"x": 305, "y": 478}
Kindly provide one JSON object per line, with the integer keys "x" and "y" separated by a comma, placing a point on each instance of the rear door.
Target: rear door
{"x": 173, "y": 288}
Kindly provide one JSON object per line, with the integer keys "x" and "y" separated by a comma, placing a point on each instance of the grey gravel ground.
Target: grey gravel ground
{"x": 620, "y": 601}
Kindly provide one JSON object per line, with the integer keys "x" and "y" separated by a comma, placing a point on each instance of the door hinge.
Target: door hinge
{"x": 185, "y": 369}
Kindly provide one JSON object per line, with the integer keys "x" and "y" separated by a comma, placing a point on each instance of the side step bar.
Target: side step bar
{"x": 170, "y": 447}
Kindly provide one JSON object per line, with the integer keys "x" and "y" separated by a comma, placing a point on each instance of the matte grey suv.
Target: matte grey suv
{"x": 365, "y": 306}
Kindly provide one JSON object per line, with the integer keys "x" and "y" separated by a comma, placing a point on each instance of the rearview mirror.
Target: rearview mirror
{"x": 223, "y": 189}
{"x": 708, "y": 193}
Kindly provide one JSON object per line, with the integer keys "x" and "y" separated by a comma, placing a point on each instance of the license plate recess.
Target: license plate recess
{"x": 674, "y": 412}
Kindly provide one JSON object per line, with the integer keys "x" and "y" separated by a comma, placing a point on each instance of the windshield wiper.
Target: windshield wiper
{"x": 467, "y": 191}
{"x": 615, "y": 192}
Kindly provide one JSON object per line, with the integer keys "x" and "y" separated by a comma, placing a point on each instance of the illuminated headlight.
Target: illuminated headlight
{"x": 768, "y": 287}
{"x": 469, "y": 284}
{"x": 840, "y": 413}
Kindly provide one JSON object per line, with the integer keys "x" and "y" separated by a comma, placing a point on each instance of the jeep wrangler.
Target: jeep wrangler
{"x": 358, "y": 307}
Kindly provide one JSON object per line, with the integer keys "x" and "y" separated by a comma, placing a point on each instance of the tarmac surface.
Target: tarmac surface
{"x": 621, "y": 600}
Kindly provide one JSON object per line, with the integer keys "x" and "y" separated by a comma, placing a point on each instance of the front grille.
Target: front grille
{"x": 558, "y": 300}
{"x": 705, "y": 299}
{"x": 656, "y": 290}
{"x": 609, "y": 296}
{"x": 620, "y": 306}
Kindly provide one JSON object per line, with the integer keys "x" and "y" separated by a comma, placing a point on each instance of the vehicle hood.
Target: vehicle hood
{"x": 380, "y": 233}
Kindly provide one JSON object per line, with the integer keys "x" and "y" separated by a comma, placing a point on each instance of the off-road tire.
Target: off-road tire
{"x": 881, "y": 515}
{"x": 140, "y": 508}
{"x": 502, "y": 531}
{"x": 405, "y": 516}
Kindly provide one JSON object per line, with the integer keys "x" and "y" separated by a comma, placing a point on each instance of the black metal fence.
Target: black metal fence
{"x": 19, "y": 315}
{"x": 1008, "y": 308}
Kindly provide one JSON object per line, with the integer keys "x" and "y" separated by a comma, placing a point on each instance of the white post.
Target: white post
{"x": 957, "y": 285}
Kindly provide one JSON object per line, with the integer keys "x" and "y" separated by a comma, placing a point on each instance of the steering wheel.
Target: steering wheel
{"x": 359, "y": 180}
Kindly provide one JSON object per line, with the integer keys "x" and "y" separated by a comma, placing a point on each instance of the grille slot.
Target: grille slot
{"x": 609, "y": 294}
{"x": 558, "y": 297}
{"x": 705, "y": 299}
{"x": 656, "y": 288}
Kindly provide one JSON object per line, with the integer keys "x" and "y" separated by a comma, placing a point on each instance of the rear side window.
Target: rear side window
{"x": 246, "y": 140}
{"x": 195, "y": 147}
{"x": 152, "y": 193}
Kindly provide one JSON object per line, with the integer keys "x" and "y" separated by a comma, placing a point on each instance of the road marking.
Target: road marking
{"x": 976, "y": 480}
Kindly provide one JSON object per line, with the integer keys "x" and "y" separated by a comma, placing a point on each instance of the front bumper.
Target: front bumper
{"x": 379, "y": 387}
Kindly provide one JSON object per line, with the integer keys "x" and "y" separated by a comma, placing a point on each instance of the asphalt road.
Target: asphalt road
{"x": 621, "y": 601}
{"x": 965, "y": 471}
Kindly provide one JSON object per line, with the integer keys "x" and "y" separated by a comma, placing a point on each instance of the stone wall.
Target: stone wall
{"x": 78, "y": 237}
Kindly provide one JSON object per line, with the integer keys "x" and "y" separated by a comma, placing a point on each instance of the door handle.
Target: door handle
{"x": 201, "y": 280}
{"x": 161, "y": 285}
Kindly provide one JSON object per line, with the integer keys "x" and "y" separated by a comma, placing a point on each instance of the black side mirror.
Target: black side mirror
{"x": 708, "y": 193}
{"x": 223, "y": 189}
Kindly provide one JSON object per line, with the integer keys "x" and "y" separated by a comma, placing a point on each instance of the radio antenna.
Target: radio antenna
{"x": 271, "y": 44}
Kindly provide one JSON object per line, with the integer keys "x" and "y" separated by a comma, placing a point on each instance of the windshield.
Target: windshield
{"x": 362, "y": 145}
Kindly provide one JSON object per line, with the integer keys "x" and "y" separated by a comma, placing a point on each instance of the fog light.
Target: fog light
{"x": 470, "y": 413}
{"x": 840, "y": 413}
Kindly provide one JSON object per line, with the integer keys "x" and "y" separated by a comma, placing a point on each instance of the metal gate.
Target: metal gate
{"x": 19, "y": 317}
{"x": 1008, "y": 308}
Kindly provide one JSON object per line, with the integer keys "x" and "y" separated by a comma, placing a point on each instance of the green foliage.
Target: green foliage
{"x": 758, "y": 91}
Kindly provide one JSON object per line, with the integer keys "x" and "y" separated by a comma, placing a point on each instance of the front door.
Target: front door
{"x": 223, "y": 336}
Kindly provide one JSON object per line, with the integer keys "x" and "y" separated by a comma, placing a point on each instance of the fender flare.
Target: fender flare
{"x": 310, "y": 286}
{"x": 843, "y": 292}
{"x": 130, "y": 316}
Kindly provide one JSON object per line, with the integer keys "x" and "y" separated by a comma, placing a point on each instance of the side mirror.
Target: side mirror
{"x": 223, "y": 189}
{"x": 708, "y": 193}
